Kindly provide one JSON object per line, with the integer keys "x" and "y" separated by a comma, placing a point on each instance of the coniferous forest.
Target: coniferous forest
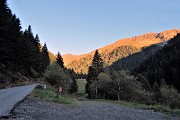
{"x": 21, "y": 52}
{"x": 23, "y": 58}
{"x": 164, "y": 66}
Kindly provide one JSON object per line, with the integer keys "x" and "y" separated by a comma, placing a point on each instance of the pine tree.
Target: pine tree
{"x": 45, "y": 56}
{"x": 95, "y": 68}
{"x": 5, "y": 20}
{"x": 74, "y": 86}
{"x": 39, "y": 58}
{"x": 59, "y": 60}
{"x": 19, "y": 51}
{"x": 37, "y": 42}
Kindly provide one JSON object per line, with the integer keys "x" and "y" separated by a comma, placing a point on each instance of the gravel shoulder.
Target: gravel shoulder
{"x": 36, "y": 109}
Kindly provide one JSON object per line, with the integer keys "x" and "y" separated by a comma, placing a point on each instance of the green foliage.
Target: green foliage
{"x": 50, "y": 95}
{"x": 157, "y": 93}
{"x": 73, "y": 86}
{"x": 120, "y": 85}
{"x": 57, "y": 76}
{"x": 81, "y": 85}
{"x": 104, "y": 77}
{"x": 170, "y": 96}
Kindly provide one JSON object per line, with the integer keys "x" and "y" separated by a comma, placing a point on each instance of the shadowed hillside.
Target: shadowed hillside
{"x": 164, "y": 65}
{"x": 118, "y": 50}
{"x": 132, "y": 61}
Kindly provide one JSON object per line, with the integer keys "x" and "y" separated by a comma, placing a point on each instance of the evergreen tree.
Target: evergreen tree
{"x": 31, "y": 51}
{"x": 95, "y": 68}
{"x": 45, "y": 56}
{"x": 37, "y": 42}
{"x": 39, "y": 58}
{"x": 74, "y": 86}
{"x": 59, "y": 60}
{"x": 19, "y": 51}
{"x": 72, "y": 73}
{"x": 5, "y": 20}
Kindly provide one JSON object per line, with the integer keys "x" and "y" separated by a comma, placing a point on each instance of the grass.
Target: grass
{"x": 81, "y": 86}
{"x": 160, "y": 108}
{"x": 50, "y": 95}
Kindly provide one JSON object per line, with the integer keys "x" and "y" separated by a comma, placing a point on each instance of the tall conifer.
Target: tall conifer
{"x": 95, "y": 68}
{"x": 59, "y": 60}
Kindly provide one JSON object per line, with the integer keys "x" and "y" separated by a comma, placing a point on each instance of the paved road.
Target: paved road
{"x": 11, "y": 96}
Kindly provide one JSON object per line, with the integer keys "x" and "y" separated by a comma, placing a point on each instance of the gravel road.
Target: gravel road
{"x": 36, "y": 109}
{"x": 11, "y": 96}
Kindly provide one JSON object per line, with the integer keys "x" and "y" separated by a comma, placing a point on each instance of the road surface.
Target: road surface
{"x": 11, "y": 96}
{"x": 35, "y": 109}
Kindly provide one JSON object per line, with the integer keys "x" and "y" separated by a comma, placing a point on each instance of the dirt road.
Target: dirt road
{"x": 36, "y": 109}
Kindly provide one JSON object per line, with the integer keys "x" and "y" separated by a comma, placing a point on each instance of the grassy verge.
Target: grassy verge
{"x": 50, "y": 95}
{"x": 160, "y": 108}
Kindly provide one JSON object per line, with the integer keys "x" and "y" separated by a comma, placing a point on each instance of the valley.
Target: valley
{"x": 133, "y": 78}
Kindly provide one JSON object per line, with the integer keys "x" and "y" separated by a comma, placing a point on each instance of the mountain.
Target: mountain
{"x": 120, "y": 49}
{"x": 132, "y": 61}
{"x": 163, "y": 65}
{"x": 52, "y": 57}
{"x": 68, "y": 58}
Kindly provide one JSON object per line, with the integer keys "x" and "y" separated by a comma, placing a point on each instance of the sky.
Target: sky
{"x": 80, "y": 26}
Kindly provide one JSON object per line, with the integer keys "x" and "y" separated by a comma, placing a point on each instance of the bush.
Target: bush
{"x": 170, "y": 96}
{"x": 143, "y": 96}
{"x": 104, "y": 77}
{"x": 120, "y": 85}
{"x": 57, "y": 76}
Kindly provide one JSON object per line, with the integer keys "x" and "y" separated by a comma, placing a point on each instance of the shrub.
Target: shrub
{"x": 143, "y": 96}
{"x": 120, "y": 85}
{"x": 57, "y": 76}
{"x": 170, "y": 96}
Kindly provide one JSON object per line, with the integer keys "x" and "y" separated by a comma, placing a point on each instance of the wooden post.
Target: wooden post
{"x": 118, "y": 92}
{"x": 96, "y": 92}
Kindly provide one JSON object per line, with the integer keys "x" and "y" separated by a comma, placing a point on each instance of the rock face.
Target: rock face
{"x": 119, "y": 49}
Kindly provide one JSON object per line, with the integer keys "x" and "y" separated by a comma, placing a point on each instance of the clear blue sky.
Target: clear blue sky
{"x": 80, "y": 26}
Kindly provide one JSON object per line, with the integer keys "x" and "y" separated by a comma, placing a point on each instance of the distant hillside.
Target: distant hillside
{"x": 68, "y": 58}
{"x": 164, "y": 65}
{"x": 108, "y": 57}
{"x": 52, "y": 57}
{"x": 118, "y": 50}
{"x": 132, "y": 61}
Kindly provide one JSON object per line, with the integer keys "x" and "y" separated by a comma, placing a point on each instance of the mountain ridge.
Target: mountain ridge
{"x": 72, "y": 61}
